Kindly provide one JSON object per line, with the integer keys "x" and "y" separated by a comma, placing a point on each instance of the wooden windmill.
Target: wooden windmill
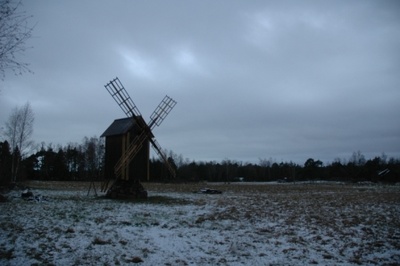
{"x": 134, "y": 136}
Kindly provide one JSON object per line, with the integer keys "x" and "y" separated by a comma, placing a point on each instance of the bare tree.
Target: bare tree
{"x": 94, "y": 154}
{"x": 357, "y": 158}
{"x": 14, "y": 32}
{"x": 19, "y": 130}
{"x": 266, "y": 164}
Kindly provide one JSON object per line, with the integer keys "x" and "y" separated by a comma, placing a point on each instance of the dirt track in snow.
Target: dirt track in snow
{"x": 249, "y": 224}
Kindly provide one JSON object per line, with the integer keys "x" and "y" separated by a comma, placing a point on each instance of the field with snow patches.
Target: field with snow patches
{"x": 249, "y": 224}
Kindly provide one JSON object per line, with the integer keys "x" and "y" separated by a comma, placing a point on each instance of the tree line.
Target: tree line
{"x": 69, "y": 163}
{"x": 355, "y": 169}
{"x": 85, "y": 161}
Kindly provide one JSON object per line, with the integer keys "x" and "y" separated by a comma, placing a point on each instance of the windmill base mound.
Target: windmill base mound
{"x": 127, "y": 189}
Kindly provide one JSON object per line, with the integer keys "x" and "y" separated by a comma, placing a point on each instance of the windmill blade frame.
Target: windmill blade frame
{"x": 122, "y": 98}
{"x": 162, "y": 155}
{"x": 161, "y": 111}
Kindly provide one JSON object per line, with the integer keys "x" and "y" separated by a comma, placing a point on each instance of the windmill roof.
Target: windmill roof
{"x": 119, "y": 127}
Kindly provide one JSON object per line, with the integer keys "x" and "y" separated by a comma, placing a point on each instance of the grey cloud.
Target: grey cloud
{"x": 279, "y": 79}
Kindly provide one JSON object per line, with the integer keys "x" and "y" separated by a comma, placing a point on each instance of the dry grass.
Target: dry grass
{"x": 298, "y": 223}
{"x": 58, "y": 185}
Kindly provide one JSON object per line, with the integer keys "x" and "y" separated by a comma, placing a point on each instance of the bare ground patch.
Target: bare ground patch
{"x": 254, "y": 224}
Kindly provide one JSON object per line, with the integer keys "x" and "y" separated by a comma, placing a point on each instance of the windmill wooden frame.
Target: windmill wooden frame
{"x": 123, "y": 182}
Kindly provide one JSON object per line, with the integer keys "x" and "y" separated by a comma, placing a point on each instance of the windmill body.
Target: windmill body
{"x": 128, "y": 143}
{"x": 118, "y": 136}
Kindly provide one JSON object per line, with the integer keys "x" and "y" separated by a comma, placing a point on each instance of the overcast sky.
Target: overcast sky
{"x": 287, "y": 80}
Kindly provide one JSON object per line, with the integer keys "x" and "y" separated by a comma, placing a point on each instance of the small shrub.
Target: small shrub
{"x": 6, "y": 254}
{"x": 99, "y": 241}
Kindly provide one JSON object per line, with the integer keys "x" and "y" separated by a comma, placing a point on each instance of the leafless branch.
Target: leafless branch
{"x": 14, "y": 32}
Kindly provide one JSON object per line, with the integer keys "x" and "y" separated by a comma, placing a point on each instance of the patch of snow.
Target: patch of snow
{"x": 274, "y": 225}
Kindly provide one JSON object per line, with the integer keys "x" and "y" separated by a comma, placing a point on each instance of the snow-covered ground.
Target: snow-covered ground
{"x": 249, "y": 224}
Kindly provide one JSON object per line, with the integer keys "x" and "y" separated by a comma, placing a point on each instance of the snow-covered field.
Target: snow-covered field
{"x": 249, "y": 224}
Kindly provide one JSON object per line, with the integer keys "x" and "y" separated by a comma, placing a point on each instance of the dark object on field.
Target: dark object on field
{"x": 127, "y": 189}
{"x": 26, "y": 194}
{"x": 128, "y": 143}
{"x": 208, "y": 191}
{"x": 136, "y": 260}
{"x": 2, "y": 198}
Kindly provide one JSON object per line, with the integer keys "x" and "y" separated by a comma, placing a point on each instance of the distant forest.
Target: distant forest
{"x": 84, "y": 162}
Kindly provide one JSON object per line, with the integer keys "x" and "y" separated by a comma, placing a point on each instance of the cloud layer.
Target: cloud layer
{"x": 276, "y": 79}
